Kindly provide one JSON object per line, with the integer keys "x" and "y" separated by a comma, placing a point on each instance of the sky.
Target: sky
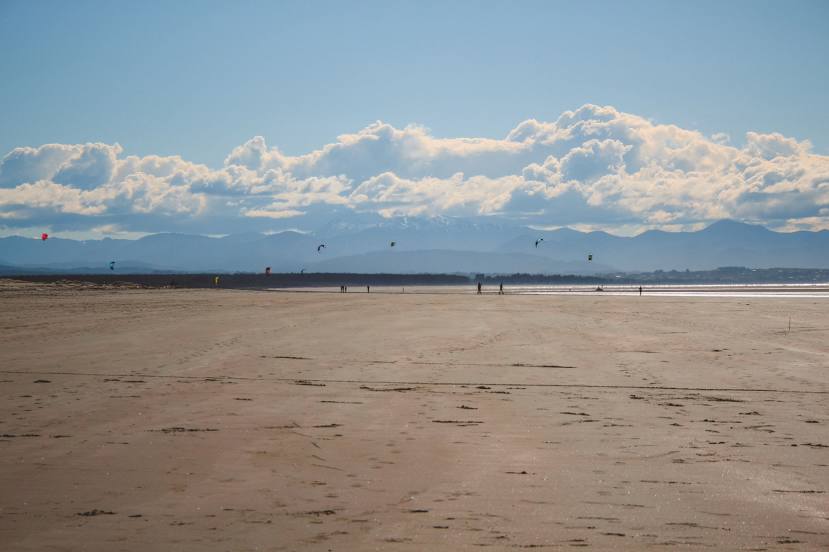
{"x": 218, "y": 117}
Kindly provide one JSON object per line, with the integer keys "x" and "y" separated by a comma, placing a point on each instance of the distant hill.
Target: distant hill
{"x": 724, "y": 243}
{"x": 427, "y": 245}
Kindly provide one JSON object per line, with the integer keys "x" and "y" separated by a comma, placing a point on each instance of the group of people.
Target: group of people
{"x": 344, "y": 289}
{"x": 500, "y": 288}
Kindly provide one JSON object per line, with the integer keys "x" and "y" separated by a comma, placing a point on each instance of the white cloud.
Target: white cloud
{"x": 457, "y": 195}
{"x": 92, "y": 166}
{"x": 22, "y": 165}
{"x": 593, "y": 160}
{"x": 770, "y": 146}
{"x": 595, "y": 166}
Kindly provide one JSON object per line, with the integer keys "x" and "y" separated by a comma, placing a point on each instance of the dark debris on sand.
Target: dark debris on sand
{"x": 95, "y": 512}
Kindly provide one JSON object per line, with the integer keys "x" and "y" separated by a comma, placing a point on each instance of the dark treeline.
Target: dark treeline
{"x": 724, "y": 275}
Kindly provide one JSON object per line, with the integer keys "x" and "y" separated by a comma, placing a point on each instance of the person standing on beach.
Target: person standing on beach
{"x": 479, "y": 288}
{"x": 640, "y": 291}
{"x": 501, "y": 289}
{"x": 216, "y": 281}
{"x": 368, "y": 289}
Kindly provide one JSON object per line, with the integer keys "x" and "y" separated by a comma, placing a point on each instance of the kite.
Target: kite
{"x": 539, "y": 240}
{"x": 392, "y": 244}
{"x": 112, "y": 265}
{"x": 320, "y": 246}
{"x": 44, "y": 236}
{"x": 267, "y": 271}
{"x": 590, "y": 256}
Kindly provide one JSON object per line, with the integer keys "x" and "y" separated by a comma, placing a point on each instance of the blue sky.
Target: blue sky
{"x": 198, "y": 79}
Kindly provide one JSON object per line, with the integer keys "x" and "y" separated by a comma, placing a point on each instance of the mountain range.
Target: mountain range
{"x": 427, "y": 245}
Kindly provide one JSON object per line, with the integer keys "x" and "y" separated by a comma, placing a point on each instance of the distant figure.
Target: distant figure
{"x": 216, "y": 281}
{"x": 368, "y": 289}
{"x": 342, "y": 289}
{"x": 479, "y": 288}
{"x": 539, "y": 240}
{"x": 320, "y": 246}
{"x": 501, "y": 289}
{"x": 640, "y": 291}
{"x": 172, "y": 283}
{"x": 267, "y": 271}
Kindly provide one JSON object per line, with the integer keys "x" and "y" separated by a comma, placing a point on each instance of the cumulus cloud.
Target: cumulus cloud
{"x": 23, "y": 165}
{"x": 593, "y": 160}
{"x": 457, "y": 195}
{"x": 594, "y": 166}
{"x": 91, "y": 167}
{"x": 770, "y": 146}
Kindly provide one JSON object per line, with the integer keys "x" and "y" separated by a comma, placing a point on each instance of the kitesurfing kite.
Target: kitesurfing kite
{"x": 392, "y": 244}
{"x": 44, "y": 236}
{"x": 539, "y": 240}
{"x": 267, "y": 271}
{"x": 590, "y": 256}
{"x": 320, "y": 246}
{"x": 112, "y": 265}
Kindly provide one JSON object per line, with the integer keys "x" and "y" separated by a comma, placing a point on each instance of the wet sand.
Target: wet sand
{"x": 244, "y": 420}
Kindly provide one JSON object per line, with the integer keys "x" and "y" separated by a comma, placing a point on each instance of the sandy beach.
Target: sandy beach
{"x": 250, "y": 420}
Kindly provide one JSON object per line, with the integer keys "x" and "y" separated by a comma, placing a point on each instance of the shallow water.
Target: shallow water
{"x": 806, "y": 291}
{"x": 742, "y": 290}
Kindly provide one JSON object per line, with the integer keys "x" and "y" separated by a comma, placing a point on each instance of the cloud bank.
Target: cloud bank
{"x": 595, "y": 166}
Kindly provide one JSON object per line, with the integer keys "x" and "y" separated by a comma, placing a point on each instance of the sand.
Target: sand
{"x": 244, "y": 420}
